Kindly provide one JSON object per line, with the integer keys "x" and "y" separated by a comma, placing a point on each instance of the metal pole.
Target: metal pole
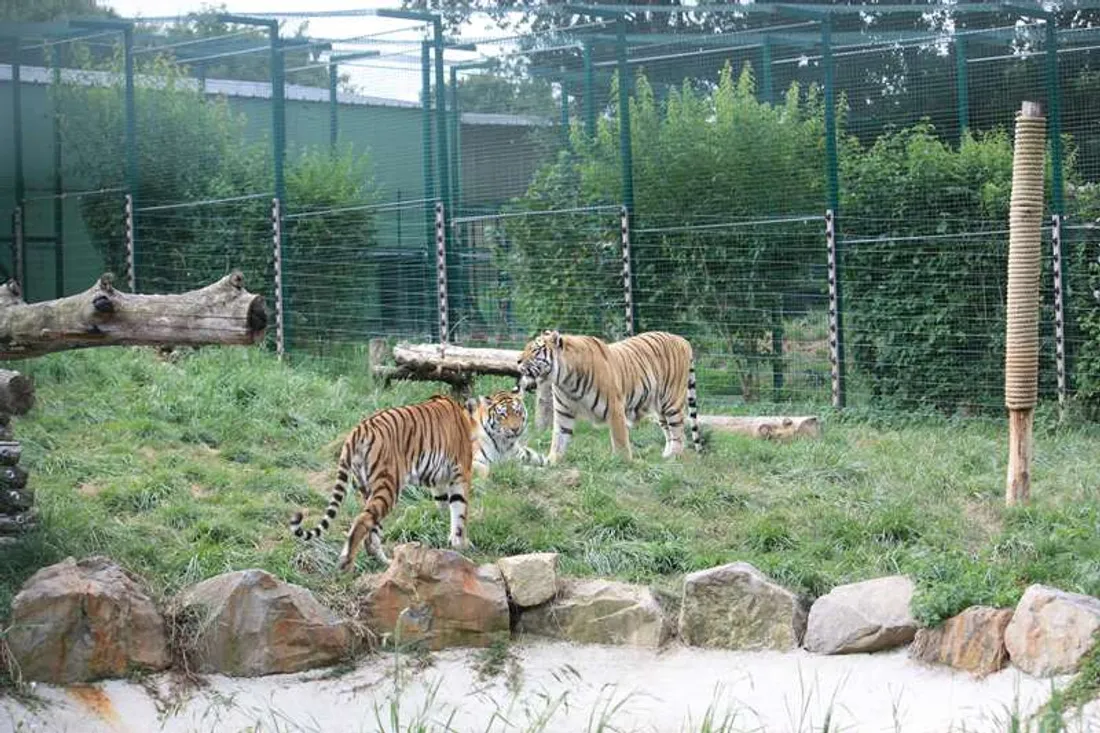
{"x": 441, "y": 269}
{"x": 58, "y": 183}
{"x": 19, "y": 251}
{"x": 441, "y": 133}
{"x": 564, "y": 110}
{"x": 589, "y": 93}
{"x": 766, "y": 92}
{"x": 128, "y": 233}
{"x": 624, "y": 119}
{"x": 426, "y": 145}
{"x": 278, "y": 113}
{"x": 962, "y": 84}
{"x": 277, "y": 241}
{"x": 1059, "y": 308}
{"x": 132, "y": 180}
{"x": 836, "y": 336}
{"x": 835, "y": 353}
{"x": 1054, "y": 118}
{"x": 333, "y": 107}
{"x": 456, "y": 125}
{"x": 18, "y": 247}
{"x": 628, "y": 272}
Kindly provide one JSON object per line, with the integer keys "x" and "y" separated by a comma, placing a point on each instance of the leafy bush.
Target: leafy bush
{"x": 193, "y": 150}
{"x": 701, "y": 157}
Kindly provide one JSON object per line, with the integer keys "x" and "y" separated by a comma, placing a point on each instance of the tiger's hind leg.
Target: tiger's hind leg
{"x": 368, "y": 525}
{"x": 672, "y": 425}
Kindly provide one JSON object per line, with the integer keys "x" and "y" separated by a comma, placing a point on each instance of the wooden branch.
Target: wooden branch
{"x": 220, "y": 313}
{"x": 13, "y": 501}
{"x": 780, "y": 428}
{"x": 427, "y": 358}
{"x": 16, "y": 392}
{"x": 14, "y": 524}
{"x": 10, "y": 453}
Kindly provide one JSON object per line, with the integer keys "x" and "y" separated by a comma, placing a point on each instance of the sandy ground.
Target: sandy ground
{"x": 570, "y": 687}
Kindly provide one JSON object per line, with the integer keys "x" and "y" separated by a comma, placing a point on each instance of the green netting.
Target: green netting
{"x": 726, "y": 169}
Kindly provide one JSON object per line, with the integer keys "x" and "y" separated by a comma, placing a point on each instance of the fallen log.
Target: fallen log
{"x": 13, "y": 501}
{"x": 778, "y": 428}
{"x": 457, "y": 359}
{"x": 220, "y": 313}
{"x": 16, "y": 392}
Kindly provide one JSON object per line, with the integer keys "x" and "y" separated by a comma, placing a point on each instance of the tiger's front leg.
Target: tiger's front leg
{"x": 564, "y": 420}
{"x": 458, "y": 498}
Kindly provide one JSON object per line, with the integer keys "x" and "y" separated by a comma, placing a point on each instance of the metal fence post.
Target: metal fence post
{"x": 564, "y": 109}
{"x": 18, "y": 247}
{"x": 441, "y": 269}
{"x": 333, "y": 107}
{"x": 766, "y": 92}
{"x": 836, "y": 351}
{"x": 58, "y": 182}
{"x": 426, "y": 160}
{"x": 1059, "y": 308}
{"x": 962, "y": 86}
{"x": 628, "y": 270}
{"x": 277, "y": 241}
{"x": 589, "y": 93}
{"x": 128, "y": 234}
{"x": 832, "y": 182}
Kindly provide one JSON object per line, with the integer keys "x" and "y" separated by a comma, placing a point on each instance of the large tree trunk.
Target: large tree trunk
{"x": 220, "y": 313}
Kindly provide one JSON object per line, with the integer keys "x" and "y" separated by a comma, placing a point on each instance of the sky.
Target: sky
{"x": 395, "y": 77}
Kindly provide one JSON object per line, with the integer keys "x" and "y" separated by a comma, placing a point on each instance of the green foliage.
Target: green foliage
{"x": 190, "y": 150}
{"x": 699, "y": 156}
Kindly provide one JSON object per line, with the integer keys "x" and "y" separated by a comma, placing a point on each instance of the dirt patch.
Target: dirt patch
{"x": 984, "y": 521}
{"x": 96, "y": 701}
{"x": 199, "y": 492}
{"x": 320, "y": 481}
{"x": 89, "y": 489}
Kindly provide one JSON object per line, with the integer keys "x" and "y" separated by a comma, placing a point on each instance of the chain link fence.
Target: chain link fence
{"x": 817, "y": 196}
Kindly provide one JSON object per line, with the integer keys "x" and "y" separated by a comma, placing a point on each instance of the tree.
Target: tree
{"x": 37, "y": 11}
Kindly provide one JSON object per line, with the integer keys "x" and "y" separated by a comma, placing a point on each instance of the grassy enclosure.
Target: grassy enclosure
{"x": 184, "y": 467}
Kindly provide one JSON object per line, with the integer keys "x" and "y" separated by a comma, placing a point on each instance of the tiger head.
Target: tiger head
{"x": 502, "y": 415}
{"x": 538, "y": 358}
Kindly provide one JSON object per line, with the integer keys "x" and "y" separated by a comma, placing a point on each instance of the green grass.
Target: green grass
{"x": 184, "y": 469}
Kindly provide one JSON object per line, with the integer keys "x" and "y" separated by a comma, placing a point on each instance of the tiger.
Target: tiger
{"x": 617, "y": 383}
{"x": 437, "y": 443}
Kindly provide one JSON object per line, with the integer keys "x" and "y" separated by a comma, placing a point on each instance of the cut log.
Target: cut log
{"x": 457, "y": 359}
{"x": 14, "y": 524}
{"x": 220, "y": 313}
{"x": 16, "y": 392}
{"x": 12, "y": 477}
{"x": 764, "y": 427}
{"x": 10, "y": 452}
{"x": 14, "y": 501}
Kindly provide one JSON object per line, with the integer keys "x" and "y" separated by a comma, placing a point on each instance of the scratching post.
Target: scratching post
{"x": 1022, "y": 336}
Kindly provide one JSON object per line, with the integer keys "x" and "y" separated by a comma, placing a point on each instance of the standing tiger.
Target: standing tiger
{"x": 617, "y": 383}
{"x": 437, "y": 443}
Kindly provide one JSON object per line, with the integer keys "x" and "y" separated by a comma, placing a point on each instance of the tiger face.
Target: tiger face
{"x": 502, "y": 415}
{"x": 536, "y": 361}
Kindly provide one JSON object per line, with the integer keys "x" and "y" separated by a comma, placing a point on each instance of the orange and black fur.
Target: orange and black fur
{"x": 436, "y": 443}
{"x": 617, "y": 383}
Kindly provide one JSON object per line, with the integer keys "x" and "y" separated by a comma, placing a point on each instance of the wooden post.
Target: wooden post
{"x": 1022, "y": 328}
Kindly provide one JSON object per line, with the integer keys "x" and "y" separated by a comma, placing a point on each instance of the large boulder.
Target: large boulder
{"x": 735, "y": 606}
{"x": 1051, "y": 630}
{"x": 249, "y": 623}
{"x": 79, "y": 621}
{"x": 437, "y": 597}
{"x": 973, "y": 641}
{"x": 862, "y": 617}
{"x": 530, "y": 579}
{"x": 600, "y": 612}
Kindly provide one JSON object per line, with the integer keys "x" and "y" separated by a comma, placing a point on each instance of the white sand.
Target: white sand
{"x": 653, "y": 692}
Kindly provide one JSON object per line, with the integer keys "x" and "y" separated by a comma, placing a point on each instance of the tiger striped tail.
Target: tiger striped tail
{"x": 338, "y": 493}
{"x": 693, "y": 408}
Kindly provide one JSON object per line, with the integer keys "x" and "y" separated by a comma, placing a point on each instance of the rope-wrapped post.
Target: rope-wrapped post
{"x": 1022, "y": 334}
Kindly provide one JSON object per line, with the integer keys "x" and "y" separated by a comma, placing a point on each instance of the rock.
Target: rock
{"x": 973, "y": 641}
{"x": 1051, "y": 630}
{"x": 600, "y": 612}
{"x": 530, "y": 579}
{"x": 249, "y": 623}
{"x": 438, "y": 597}
{"x": 736, "y": 607}
{"x": 82, "y": 621}
{"x": 862, "y": 617}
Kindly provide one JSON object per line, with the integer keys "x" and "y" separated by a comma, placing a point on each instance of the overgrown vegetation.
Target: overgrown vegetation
{"x": 182, "y": 469}
{"x": 190, "y": 152}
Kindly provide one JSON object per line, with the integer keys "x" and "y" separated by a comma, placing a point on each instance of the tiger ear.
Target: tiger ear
{"x": 553, "y": 337}
{"x": 471, "y": 404}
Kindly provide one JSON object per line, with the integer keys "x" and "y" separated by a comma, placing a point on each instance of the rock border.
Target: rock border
{"x": 735, "y": 606}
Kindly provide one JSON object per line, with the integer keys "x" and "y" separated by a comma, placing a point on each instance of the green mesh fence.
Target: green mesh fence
{"x": 746, "y": 125}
